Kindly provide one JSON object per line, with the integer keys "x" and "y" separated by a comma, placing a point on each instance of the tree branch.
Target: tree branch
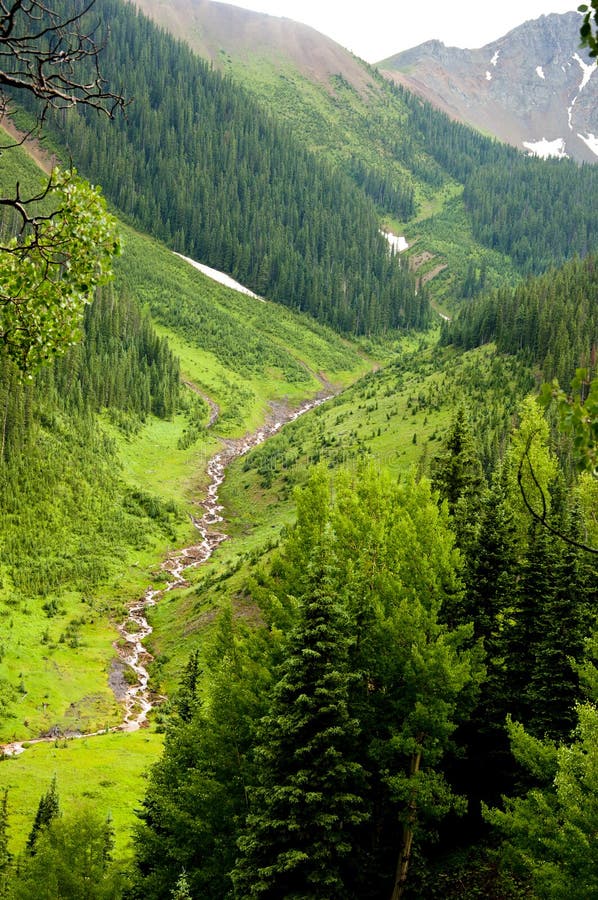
{"x": 542, "y": 519}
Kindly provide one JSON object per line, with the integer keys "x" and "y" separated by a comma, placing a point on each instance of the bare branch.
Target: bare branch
{"x": 52, "y": 57}
{"x": 542, "y": 519}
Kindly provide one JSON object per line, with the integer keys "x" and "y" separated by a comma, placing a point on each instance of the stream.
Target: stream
{"x": 138, "y": 699}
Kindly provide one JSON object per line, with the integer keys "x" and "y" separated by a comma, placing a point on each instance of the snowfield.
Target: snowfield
{"x": 220, "y": 277}
{"x": 398, "y": 243}
{"x": 546, "y": 149}
{"x": 591, "y": 140}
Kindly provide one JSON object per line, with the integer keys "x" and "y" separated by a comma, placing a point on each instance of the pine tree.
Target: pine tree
{"x": 187, "y": 695}
{"x": 456, "y": 471}
{"x": 5, "y": 854}
{"x": 564, "y": 620}
{"x": 457, "y": 476}
{"x": 47, "y": 810}
{"x": 491, "y": 565}
{"x": 492, "y": 568}
{"x": 197, "y": 792}
{"x": 308, "y": 801}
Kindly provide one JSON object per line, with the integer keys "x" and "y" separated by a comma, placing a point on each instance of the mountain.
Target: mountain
{"x": 533, "y": 87}
{"x": 412, "y": 160}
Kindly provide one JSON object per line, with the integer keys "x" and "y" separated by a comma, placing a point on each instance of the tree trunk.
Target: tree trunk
{"x": 408, "y": 831}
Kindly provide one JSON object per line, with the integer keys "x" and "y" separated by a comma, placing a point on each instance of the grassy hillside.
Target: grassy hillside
{"x": 244, "y": 354}
{"x": 108, "y": 771}
{"x": 251, "y": 351}
{"x": 93, "y": 500}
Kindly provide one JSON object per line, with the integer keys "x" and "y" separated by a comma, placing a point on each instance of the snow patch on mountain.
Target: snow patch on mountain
{"x": 591, "y": 140}
{"x": 569, "y": 113}
{"x": 587, "y": 68}
{"x": 494, "y": 59}
{"x": 396, "y": 242}
{"x": 546, "y": 148}
{"x": 220, "y": 277}
{"x": 540, "y": 73}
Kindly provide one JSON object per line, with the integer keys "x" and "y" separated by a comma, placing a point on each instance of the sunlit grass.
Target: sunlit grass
{"x": 108, "y": 769}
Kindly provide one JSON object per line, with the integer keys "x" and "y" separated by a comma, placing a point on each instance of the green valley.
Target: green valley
{"x": 112, "y": 480}
{"x": 297, "y": 588}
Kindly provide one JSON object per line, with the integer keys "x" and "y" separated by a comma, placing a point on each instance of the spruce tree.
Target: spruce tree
{"x": 485, "y": 769}
{"x": 491, "y": 565}
{"x": 5, "y": 854}
{"x": 564, "y": 621}
{"x": 47, "y": 810}
{"x": 458, "y": 478}
{"x": 308, "y": 802}
{"x": 456, "y": 471}
{"x": 535, "y": 595}
{"x": 197, "y": 792}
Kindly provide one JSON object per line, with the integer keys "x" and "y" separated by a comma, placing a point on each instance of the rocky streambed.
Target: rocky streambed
{"x": 138, "y": 700}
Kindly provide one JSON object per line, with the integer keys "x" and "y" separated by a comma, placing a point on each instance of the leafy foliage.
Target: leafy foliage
{"x": 49, "y": 272}
{"x": 378, "y": 683}
{"x": 589, "y": 38}
{"x": 548, "y": 832}
{"x": 578, "y": 416}
{"x": 73, "y": 859}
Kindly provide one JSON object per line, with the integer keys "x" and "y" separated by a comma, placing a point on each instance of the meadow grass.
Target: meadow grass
{"x": 110, "y": 770}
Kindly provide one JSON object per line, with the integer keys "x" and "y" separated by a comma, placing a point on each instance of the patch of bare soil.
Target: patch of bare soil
{"x": 417, "y": 261}
{"x": 45, "y": 160}
{"x": 427, "y": 276}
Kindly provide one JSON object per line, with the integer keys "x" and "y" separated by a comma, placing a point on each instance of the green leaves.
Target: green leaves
{"x": 51, "y": 269}
{"x": 589, "y": 39}
{"x": 578, "y": 416}
{"x": 550, "y": 832}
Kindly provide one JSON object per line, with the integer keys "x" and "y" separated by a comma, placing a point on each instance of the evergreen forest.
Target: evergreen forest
{"x": 298, "y": 575}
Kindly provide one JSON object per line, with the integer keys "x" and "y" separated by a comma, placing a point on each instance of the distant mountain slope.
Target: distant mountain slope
{"x": 414, "y": 162}
{"x": 220, "y": 31}
{"x": 256, "y": 186}
{"x": 533, "y": 88}
{"x": 342, "y": 109}
{"x": 332, "y": 100}
{"x": 199, "y": 164}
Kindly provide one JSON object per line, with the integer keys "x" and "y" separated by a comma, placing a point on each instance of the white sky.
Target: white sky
{"x": 375, "y": 29}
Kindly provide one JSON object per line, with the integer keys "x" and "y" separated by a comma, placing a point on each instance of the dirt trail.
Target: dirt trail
{"x": 214, "y": 408}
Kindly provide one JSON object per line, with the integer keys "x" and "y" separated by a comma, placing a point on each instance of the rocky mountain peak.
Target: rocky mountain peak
{"x": 533, "y": 87}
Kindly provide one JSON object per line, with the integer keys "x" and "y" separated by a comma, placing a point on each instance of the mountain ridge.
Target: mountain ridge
{"x": 219, "y": 30}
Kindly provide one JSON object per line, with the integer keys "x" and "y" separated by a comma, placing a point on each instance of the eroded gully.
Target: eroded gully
{"x": 138, "y": 700}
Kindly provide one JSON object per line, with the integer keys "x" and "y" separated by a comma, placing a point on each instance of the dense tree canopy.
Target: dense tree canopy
{"x": 340, "y": 776}
{"x": 202, "y": 166}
